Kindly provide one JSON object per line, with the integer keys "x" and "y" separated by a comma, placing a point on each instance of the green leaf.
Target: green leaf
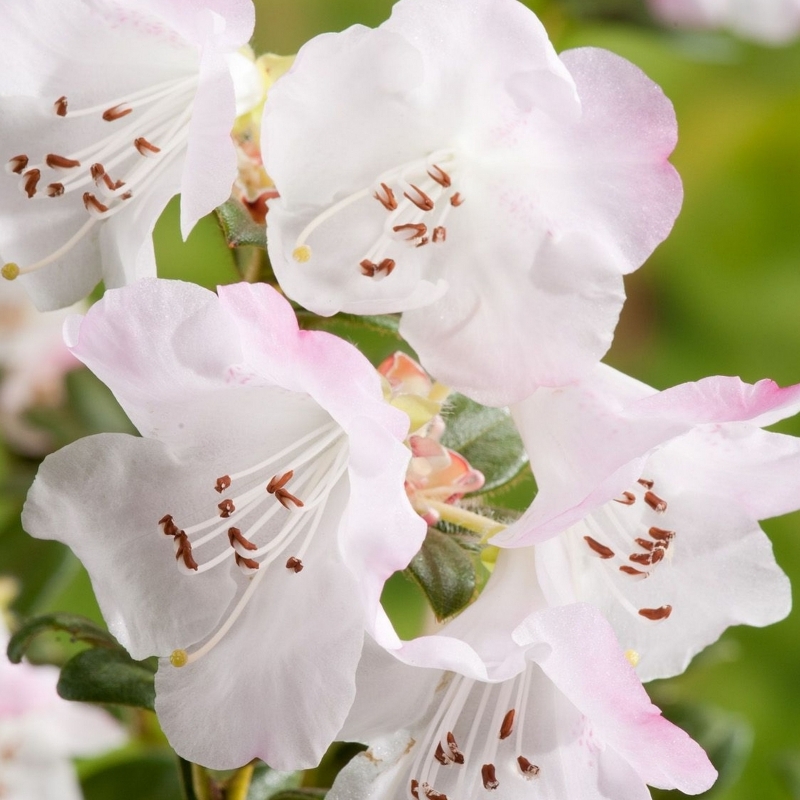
{"x": 376, "y": 336}
{"x": 486, "y": 437}
{"x": 108, "y": 676}
{"x": 445, "y": 572}
{"x": 239, "y": 227}
{"x": 152, "y": 776}
{"x": 79, "y": 628}
{"x": 268, "y": 782}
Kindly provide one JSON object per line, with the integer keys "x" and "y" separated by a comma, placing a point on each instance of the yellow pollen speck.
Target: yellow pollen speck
{"x": 632, "y": 656}
{"x": 9, "y": 271}
{"x": 179, "y": 658}
{"x": 302, "y": 253}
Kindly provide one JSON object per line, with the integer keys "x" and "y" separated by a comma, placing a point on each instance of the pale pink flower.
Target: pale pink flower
{"x": 767, "y": 21}
{"x": 109, "y": 109}
{"x": 247, "y": 536}
{"x": 33, "y": 361}
{"x": 40, "y": 733}
{"x": 451, "y": 166}
{"x": 649, "y": 502}
{"x": 568, "y": 719}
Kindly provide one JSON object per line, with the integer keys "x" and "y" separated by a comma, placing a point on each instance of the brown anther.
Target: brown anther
{"x": 112, "y": 185}
{"x": 387, "y": 266}
{"x": 387, "y": 200}
{"x": 422, "y": 201}
{"x": 455, "y": 753}
{"x": 439, "y": 175}
{"x": 415, "y": 789}
{"x": 235, "y": 535}
{"x": 440, "y": 756}
{"x": 60, "y": 106}
{"x": 18, "y": 163}
{"x": 284, "y": 498}
{"x": 92, "y": 203}
{"x": 641, "y": 558}
{"x": 627, "y": 499}
{"x": 31, "y": 180}
{"x": 416, "y": 230}
{"x": 126, "y": 196}
{"x": 655, "y": 614}
{"x": 489, "y": 777}
{"x": 431, "y": 793}
{"x": 368, "y": 268}
{"x": 439, "y": 234}
{"x": 185, "y": 550}
{"x": 170, "y": 528}
{"x": 658, "y": 554}
{"x": 294, "y": 564}
{"x": 507, "y": 727}
{"x": 422, "y": 242}
{"x": 116, "y": 112}
{"x": 600, "y": 549}
{"x": 456, "y": 199}
{"x": 276, "y": 483}
{"x": 661, "y": 535}
{"x": 60, "y": 162}
{"x": 655, "y": 502}
{"x": 55, "y": 189}
{"x": 646, "y": 483}
{"x": 97, "y": 170}
{"x": 636, "y": 573}
{"x": 250, "y": 563}
{"x": 645, "y": 543}
{"x": 144, "y": 147}
{"x": 226, "y": 508}
{"x": 528, "y": 770}
{"x": 222, "y": 483}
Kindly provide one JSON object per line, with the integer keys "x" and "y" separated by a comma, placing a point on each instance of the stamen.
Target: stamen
{"x": 145, "y": 148}
{"x": 10, "y": 271}
{"x": 641, "y": 558}
{"x": 646, "y": 483}
{"x": 31, "y": 179}
{"x": 655, "y": 502}
{"x": 112, "y": 186}
{"x": 302, "y": 254}
{"x": 60, "y": 106}
{"x": 294, "y": 564}
{"x": 456, "y": 199}
{"x": 627, "y": 499}
{"x": 422, "y": 201}
{"x": 235, "y": 535}
{"x": 169, "y": 526}
{"x": 249, "y": 563}
{"x": 226, "y": 508}
{"x": 55, "y": 189}
{"x": 507, "y": 728}
{"x": 17, "y": 164}
{"x": 223, "y": 483}
{"x": 440, "y": 176}
{"x": 417, "y": 230}
{"x": 656, "y": 614}
{"x": 93, "y": 205}
{"x": 645, "y": 543}
{"x": 284, "y": 498}
{"x": 632, "y": 571}
{"x": 55, "y": 161}
{"x": 388, "y": 200}
{"x": 489, "y": 777}
{"x": 415, "y": 789}
{"x": 600, "y": 549}
{"x": 184, "y": 550}
{"x": 179, "y": 658}
{"x": 528, "y": 770}
{"x": 431, "y": 794}
{"x": 440, "y": 756}
{"x": 97, "y": 171}
{"x": 439, "y": 234}
{"x": 456, "y": 754}
{"x": 423, "y": 241}
{"x": 276, "y": 483}
{"x": 661, "y": 534}
{"x": 116, "y": 112}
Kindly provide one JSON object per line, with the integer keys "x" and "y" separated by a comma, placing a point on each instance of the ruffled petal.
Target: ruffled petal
{"x": 606, "y": 690}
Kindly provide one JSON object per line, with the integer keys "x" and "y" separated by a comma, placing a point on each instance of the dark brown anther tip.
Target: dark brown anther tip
{"x": 507, "y": 727}
{"x": 656, "y": 614}
{"x": 226, "y": 508}
{"x": 387, "y": 199}
{"x": 489, "y": 777}
{"x": 60, "y": 106}
{"x": 116, "y": 112}
{"x": 18, "y": 163}
{"x": 55, "y": 161}
{"x": 627, "y": 499}
{"x": 421, "y": 201}
{"x": 31, "y": 181}
{"x": 222, "y": 484}
{"x": 456, "y": 199}
{"x": 599, "y": 549}
{"x": 440, "y": 176}
{"x": 439, "y": 234}
{"x": 294, "y": 564}
{"x": 528, "y": 770}
{"x": 655, "y": 502}
{"x": 55, "y": 189}
{"x": 250, "y": 563}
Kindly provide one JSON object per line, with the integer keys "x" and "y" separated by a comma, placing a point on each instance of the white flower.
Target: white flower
{"x": 109, "y": 109}
{"x": 450, "y": 165}
{"x": 246, "y": 536}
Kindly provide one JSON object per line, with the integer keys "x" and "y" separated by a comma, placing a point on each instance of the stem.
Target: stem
{"x": 466, "y": 519}
{"x": 239, "y": 784}
{"x": 186, "y": 770}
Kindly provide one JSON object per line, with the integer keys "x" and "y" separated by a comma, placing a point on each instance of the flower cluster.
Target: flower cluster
{"x": 450, "y": 167}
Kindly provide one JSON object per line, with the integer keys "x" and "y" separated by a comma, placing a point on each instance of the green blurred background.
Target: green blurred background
{"x": 721, "y": 296}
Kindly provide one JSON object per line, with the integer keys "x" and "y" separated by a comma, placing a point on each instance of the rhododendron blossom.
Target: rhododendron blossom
{"x": 649, "y": 502}
{"x": 569, "y": 718}
{"x": 246, "y": 537}
{"x": 767, "y": 21}
{"x": 40, "y": 733}
{"x": 109, "y": 109}
{"x": 496, "y": 195}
